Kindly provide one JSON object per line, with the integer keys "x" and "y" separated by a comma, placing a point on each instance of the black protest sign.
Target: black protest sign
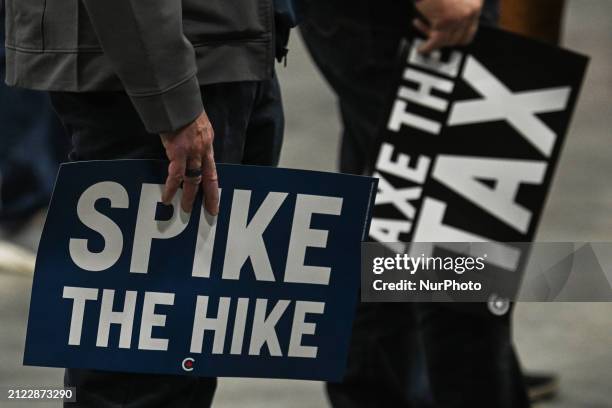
{"x": 471, "y": 140}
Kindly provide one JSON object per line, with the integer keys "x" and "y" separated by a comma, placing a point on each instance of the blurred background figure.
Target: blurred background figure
{"x": 32, "y": 145}
{"x": 354, "y": 45}
{"x": 403, "y": 355}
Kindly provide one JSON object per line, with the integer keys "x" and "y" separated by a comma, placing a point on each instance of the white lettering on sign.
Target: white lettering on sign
{"x": 301, "y": 327}
{"x": 518, "y": 109}
{"x": 79, "y": 297}
{"x": 205, "y": 243}
{"x": 124, "y": 318}
{"x": 400, "y": 198}
{"x": 423, "y": 94}
{"x": 491, "y": 184}
{"x": 91, "y": 218}
{"x": 148, "y": 228}
{"x": 242, "y": 309}
{"x": 390, "y": 230}
{"x": 244, "y": 243}
{"x": 263, "y": 326}
{"x": 434, "y": 62}
{"x": 203, "y": 323}
{"x": 245, "y": 238}
{"x": 401, "y": 166}
{"x": 303, "y": 237}
{"x": 151, "y": 319}
{"x": 462, "y": 175}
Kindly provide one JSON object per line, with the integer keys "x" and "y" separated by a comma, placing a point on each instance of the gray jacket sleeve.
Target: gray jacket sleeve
{"x": 144, "y": 42}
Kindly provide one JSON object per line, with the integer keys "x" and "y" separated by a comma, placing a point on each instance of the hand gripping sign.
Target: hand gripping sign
{"x": 267, "y": 289}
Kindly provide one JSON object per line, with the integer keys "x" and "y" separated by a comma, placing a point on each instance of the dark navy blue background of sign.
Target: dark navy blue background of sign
{"x": 170, "y": 267}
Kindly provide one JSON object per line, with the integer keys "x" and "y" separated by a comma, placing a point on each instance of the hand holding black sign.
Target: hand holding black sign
{"x": 472, "y": 139}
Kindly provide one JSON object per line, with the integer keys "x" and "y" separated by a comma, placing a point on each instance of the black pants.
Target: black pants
{"x": 247, "y": 118}
{"x": 402, "y": 355}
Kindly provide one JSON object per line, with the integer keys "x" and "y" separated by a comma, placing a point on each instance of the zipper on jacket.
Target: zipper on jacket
{"x": 42, "y": 25}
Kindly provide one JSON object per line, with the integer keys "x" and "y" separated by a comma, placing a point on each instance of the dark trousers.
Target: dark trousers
{"x": 402, "y": 355}
{"x": 247, "y": 118}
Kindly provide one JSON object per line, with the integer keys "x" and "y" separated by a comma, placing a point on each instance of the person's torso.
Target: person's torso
{"x": 39, "y": 25}
{"x": 52, "y": 45}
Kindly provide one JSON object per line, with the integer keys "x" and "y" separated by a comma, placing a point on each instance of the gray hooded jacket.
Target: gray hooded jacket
{"x": 158, "y": 51}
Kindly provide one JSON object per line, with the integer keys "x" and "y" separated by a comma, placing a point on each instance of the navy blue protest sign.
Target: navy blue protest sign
{"x": 266, "y": 289}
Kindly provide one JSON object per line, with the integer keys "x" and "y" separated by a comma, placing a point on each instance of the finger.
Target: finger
{"x": 421, "y": 27}
{"x": 210, "y": 183}
{"x": 176, "y": 171}
{"x": 434, "y": 42}
{"x": 191, "y": 185}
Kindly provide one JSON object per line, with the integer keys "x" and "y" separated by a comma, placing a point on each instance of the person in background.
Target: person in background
{"x": 354, "y": 44}
{"x": 32, "y": 146}
{"x": 188, "y": 80}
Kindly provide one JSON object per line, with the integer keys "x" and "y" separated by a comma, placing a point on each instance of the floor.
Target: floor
{"x": 569, "y": 339}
